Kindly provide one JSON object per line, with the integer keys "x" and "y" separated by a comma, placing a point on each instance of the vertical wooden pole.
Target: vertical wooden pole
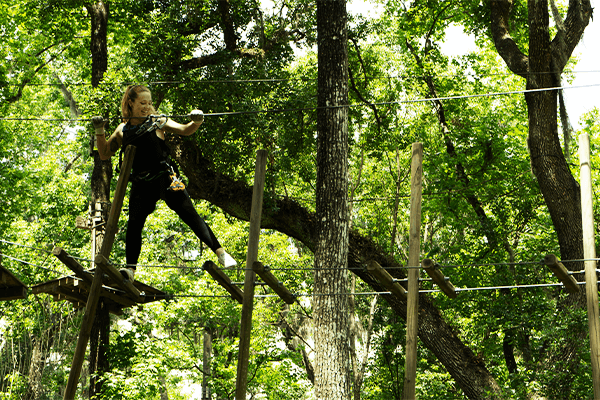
{"x": 94, "y": 294}
{"x": 251, "y": 256}
{"x": 414, "y": 249}
{"x": 206, "y": 358}
{"x": 589, "y": 252}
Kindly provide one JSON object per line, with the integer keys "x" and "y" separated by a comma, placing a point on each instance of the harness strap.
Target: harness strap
{"x": 148, "y": 126}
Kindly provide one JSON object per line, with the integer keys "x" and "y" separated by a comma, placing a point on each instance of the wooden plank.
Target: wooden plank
{"x": 11, "y": 287}
{"x": 251, "y": 257}
{"x": 107, "y": 293}
{"x": 414, "y": 249}
{"x": 589, "y": 253}
{"x": 386, "y": 279}
{"x": 8, "y": 279}
{"x": 73, "y": 265}
{"x": 223, "y": 280}
{"x": 46, "y": 287}
{"x": 13, "y": 293}
{"x": 73, "y": 293}
{"x": 561, "y": 272}
{"x": 438, "y": 277}
{"x": 273, "y": 283}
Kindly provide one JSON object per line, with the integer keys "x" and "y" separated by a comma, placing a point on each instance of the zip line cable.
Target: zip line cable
{"x": 303, "y": 79}
{"x": 252, "y": 112}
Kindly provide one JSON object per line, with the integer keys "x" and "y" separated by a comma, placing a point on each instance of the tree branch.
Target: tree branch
{"x": 516, "y": 61}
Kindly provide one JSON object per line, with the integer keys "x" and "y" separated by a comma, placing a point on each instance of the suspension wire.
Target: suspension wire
{"x": 249, "y": 112}
{"x": 514, "y": 263}
{"x": 525, "y": 286}
{"x": 34, "y": 265}
{"x": 336, "y": 294}
{"x": 304, "y": 79}
{"x": 467, "y": 265}
{"x": 512, "y": 287}
{"x": 26, "y": 246}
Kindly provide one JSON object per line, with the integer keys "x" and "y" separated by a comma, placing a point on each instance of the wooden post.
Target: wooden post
{"x": 445, "y": 286}
{"x": 94, "y": 294}
{"x": 206, "y": 357}
{"x": 251, "y": 256}
{"x": 589, "y": 253}
{"x": 273, "y": 283}
{"x": 561, "y": 272}
{"x": 386, "y": 279}
{"x": 414, "y": 248}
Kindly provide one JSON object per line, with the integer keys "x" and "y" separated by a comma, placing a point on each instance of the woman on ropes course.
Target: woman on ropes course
{"x": 152, "y": 175}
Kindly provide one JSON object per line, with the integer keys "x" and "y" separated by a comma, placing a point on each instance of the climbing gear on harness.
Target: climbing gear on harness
{"x": 151, "y": 124}
{"x": 176, "y": 183}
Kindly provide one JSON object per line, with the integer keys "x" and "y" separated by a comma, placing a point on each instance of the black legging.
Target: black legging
{"x": 142, "y": 202}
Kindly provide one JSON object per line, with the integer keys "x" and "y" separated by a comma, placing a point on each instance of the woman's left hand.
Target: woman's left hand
{"x": 197, "y": 116}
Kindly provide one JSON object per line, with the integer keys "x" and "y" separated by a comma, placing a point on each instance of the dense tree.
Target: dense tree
{"x": 232, "y": 60}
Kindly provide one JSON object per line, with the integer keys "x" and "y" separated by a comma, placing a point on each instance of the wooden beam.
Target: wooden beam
{"x": 119, "y": 279}
{"x": 13, "y": 293}
{"x": 251, "y": 256}
{"x": 414, "y": 249}
{"x": 223, "y": 280}
{"x": 112, "y": 224}
{"x": 561, "y": 272}
{"x": 386, "y": 279}
{"x": 84, "y": 335}
{"x": 73, "y": 265}
{"x": 589, "y": 253}
{"x": 9, "y": 279}
{"x": 438, "y": 277}
{"x": 273, "y": 283}
{"x": 94, "y": 294}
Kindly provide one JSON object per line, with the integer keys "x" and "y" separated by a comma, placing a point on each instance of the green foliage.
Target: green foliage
{"x": 46, "y": 167}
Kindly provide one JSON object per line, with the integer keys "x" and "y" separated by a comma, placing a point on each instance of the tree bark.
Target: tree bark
{"x": 332, "y": 323}
{"x": 99, "y": 12}
{"x": 542, "y": 68}
{"x": 100, "y": 185}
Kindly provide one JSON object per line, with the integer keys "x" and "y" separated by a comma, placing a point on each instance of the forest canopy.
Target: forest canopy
{"x": 492, "y": 137}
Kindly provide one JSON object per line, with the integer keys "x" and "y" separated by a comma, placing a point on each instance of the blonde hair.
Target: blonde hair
{"x": 131, "y": 93}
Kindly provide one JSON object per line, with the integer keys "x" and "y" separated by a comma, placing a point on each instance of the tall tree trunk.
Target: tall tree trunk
{"x": 99, "y": 12}
{"x": 542, "y": 68}
{"x": 332, "y": 366}
{"x": 100, "y": 185}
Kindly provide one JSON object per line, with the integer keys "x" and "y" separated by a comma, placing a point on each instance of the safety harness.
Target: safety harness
{"x": 150, "y": 125}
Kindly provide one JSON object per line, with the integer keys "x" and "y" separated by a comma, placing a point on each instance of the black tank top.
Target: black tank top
{"x": 151, "y": 151}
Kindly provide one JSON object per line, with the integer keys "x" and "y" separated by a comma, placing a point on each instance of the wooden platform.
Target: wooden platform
{"x": 76, "y": 291}
{"x": 11, "y": 288}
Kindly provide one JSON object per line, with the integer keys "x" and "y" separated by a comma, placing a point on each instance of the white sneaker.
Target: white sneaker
{"x": 226, "y": 260}
{"x": 127, "y": 273}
